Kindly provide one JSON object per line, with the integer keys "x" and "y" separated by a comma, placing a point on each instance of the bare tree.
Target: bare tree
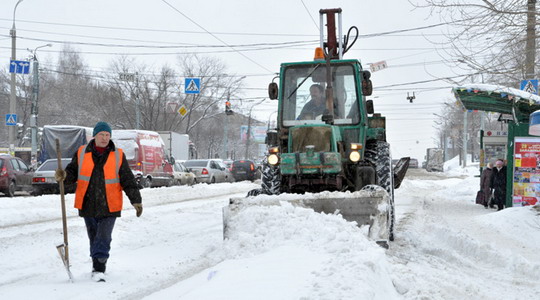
{"x": 496, "y": 38}
{"x": 216, "y": 87}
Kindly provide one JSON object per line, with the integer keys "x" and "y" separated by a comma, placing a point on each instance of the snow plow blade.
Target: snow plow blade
{"x": 366, "y": 207}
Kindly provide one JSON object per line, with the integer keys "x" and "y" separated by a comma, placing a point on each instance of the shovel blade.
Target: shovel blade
{"x": 62, "y": 252}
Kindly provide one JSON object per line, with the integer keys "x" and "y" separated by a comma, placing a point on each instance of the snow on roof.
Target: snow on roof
{"x": 503, "y": 90}
{"x": 151, "y": 138}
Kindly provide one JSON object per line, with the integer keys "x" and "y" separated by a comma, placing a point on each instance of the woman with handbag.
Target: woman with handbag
{"x": 485, "y": 184}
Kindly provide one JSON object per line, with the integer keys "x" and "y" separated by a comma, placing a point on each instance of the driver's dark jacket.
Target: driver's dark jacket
{"x": 311, "y": 110}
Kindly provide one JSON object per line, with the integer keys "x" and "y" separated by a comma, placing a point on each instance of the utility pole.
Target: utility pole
{"x": 34, "y": 108}
{"x": 13, "y": 96}
{"x": 248, "y": 138}
{"x": 530, "y": 44}
{"x": 228, "y": 112}
{"x": 464, "y": 138}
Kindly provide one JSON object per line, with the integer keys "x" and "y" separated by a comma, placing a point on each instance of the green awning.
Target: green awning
{"x": 493, "y": 98}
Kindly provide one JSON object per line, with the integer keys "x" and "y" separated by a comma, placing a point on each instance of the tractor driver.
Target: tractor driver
{"x": 316, "y": 106}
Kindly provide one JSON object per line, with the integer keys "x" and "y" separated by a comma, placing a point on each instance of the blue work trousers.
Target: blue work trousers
{"x": 100, "y": 235}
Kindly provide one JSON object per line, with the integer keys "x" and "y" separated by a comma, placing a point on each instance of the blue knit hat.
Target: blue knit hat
{"x": 101, "y": 126}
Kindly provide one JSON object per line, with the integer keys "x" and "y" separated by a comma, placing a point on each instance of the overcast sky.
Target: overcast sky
{"x": 115, "y": 24}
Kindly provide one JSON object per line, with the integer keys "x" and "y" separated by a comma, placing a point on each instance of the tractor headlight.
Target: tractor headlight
{"x": 354, "y": 156}
{"x": 273, "y": 159}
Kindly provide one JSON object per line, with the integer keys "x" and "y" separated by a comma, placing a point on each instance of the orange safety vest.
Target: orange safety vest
{"x": 113, "y": 189}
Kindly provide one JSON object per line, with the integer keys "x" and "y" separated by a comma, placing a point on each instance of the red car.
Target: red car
{"x": 15, "y": 175}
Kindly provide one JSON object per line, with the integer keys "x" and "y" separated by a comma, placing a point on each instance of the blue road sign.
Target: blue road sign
{"x": 11, "y": 119}
{"x": 530, "y": 85}
{"x": 192, "y": 86}
{"x": 19, "y": 67}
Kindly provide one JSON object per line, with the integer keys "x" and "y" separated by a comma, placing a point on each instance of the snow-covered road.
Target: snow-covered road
{"x": 449, "y": 248}
{"x": 446, "y": 248}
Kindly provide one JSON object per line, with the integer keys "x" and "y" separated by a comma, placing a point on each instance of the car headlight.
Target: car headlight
{"x": 273, "y": 159}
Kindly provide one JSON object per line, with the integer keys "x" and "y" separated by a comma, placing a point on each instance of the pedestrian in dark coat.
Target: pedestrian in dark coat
{"x": 101, "y": 172}
{"x": 485, "y": 183}
{"x": 498, "y": 184}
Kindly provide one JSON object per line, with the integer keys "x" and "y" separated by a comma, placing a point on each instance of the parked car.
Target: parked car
{"x": 228, "y": 173}
{"x": 228, "y": 163}
{"x": 244, "y": 170}
{"x": 413, "y": 163}
{"x": 43, "y": 181}
{"x": 208, "y": 170}
{"x": 182, "y": 175}
{"x": 15, "y": 175}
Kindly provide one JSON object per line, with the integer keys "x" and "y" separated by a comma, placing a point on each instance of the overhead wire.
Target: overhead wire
{"x": 215, "y": 36}
{"x": 312, "y": 19}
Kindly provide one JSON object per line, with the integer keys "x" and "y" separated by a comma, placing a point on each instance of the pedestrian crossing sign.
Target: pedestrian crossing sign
{"x": 192, "y": 86}
{"x": 11, "y": 119}
{"x": 530, "y": 86}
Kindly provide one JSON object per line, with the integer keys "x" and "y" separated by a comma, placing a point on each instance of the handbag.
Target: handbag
{"x": 480, "y": 197}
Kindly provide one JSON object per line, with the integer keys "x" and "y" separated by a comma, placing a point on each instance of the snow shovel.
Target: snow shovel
{"x": 63, "y": 249}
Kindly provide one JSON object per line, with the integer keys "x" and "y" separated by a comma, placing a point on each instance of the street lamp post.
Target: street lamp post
{"x": 248, "y": 138}
{"x": 13, "y": 96}
{"x": 34, "y": 108}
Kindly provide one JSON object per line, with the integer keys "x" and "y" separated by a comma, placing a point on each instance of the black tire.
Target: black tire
{"x": 213, "y": 180}
{"x": 378, "y": 153}
{"x": 10, "y": 192}
{"x": 254, "y": 192}
{"x": 37, "y": 191}
{"x": 270, "y": 180}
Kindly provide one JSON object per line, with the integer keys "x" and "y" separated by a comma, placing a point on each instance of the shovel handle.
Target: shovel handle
{"x": 63, "y": 203}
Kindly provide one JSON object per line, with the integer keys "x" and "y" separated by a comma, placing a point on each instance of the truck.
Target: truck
{"x": 145, "y": 152}
{"x": 434, "y": 160}
{"x": 177, "y": 146}
{"x": 337, "y": 161}
{"x": 71, "y": 138}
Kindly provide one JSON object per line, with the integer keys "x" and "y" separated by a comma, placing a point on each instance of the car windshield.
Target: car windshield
{"x": 52, "y": 165}
{"x": 196, "y": 163}
{"x": 300, "y": 103}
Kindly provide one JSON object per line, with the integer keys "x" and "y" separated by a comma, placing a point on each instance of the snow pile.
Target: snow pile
{"x": 17, "y": 211}
{"x": 453, "y": 167}
{"x": 322, "y": 255}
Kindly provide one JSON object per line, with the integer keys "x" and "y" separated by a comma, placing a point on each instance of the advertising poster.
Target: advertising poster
{"x": 526, "y": 179}
{"x": 257, "y": 133}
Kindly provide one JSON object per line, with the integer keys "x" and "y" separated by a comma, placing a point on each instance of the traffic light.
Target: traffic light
{"x": 228, "y": 110}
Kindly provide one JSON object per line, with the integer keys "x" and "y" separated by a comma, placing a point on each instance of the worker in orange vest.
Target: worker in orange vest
{"x": 101, "y": 172}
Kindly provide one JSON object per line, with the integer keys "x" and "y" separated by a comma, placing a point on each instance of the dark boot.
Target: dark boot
{"x": 99, "y": 264}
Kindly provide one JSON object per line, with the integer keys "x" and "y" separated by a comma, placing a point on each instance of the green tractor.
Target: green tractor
{"x": 328, "y": 138}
